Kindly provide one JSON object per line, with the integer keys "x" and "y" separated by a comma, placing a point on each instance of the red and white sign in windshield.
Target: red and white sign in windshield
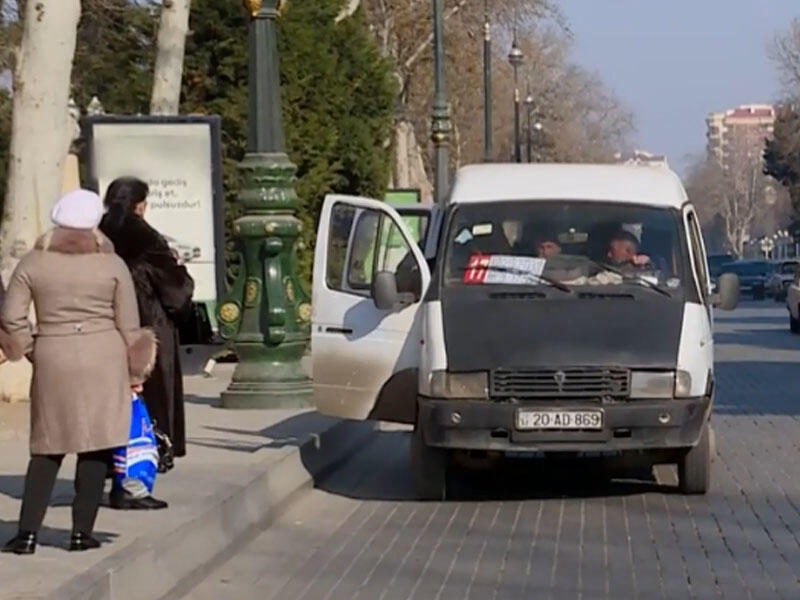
{"x": 503, "y": 269}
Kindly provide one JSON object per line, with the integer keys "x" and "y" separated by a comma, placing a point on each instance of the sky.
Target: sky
{"x": 673, "y": 61}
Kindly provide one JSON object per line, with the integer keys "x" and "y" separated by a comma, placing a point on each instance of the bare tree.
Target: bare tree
{"x": 168, "y": 73}
{"x": 405, "y": 33}
{"x": 40, "y": 133}
{"x": 785, "y": 53}
{"x": 738, "y": 194}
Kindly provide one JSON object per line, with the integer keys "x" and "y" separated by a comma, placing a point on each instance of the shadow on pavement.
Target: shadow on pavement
{"x": 765, "y": 320}
{"x": 381, "y": 472}
{"x": 12, "y": 486}
{"x": 769, "y": 339}
{"x": 214, "y": 401}
{"x": 757, "y": 388}
{"x": 292, "y": 431}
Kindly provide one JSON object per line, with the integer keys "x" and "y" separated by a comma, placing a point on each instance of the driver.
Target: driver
{"x": 623, "y": 250}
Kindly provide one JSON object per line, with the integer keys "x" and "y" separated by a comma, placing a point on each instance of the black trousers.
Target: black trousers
{"x": 90, "y": 478}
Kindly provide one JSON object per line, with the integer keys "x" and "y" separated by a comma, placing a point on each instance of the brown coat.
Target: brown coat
{"x": 87, "y": 347}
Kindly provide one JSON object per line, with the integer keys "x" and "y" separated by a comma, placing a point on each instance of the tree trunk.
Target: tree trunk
{"x": 409, "y": 167}
{"x": 168, "y": 73}
{"x": 40, "y": 132}
{"x": 348, "y": 10}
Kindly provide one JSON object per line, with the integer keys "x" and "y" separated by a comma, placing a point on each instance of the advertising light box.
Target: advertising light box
{"x": 179, "y": 158}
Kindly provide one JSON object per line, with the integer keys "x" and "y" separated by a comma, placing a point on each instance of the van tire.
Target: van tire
{"x": 794, "y": 324}
{"x": 694, "y": 467}
{"x": 428, "y": 468}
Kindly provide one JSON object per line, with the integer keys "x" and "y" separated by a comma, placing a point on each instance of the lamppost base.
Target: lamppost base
{"x": 269, "y": 378}
{"x": 263, "y": 395}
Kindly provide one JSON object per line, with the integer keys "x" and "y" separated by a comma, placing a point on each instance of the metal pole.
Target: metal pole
{"x": 515, "y": 57}
{"x": 266, "y": 312}
{"x": 529, "y": 134}
{"x": 441, "y": 111}
{"x": 517, "y": 143}
{"x": 487, "y": 84}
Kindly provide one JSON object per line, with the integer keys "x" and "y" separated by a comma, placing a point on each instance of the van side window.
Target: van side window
{"x": 697, "y": 252}
{"x": 341, "y": 227}
{"x": 363, "y": 242}
{"x": 362, "y": 253}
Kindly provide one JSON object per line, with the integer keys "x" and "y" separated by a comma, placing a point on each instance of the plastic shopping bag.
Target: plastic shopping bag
{"x": 136, "y": 465}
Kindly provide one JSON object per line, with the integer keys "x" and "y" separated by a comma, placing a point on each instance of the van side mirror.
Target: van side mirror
{"x": 727, "y": 296}
{"x": 384, "y": 290}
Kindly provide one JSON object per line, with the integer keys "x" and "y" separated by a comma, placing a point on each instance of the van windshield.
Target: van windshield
{"x": 565, "y": 244}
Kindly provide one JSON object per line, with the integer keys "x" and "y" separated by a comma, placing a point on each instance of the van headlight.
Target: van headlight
{"x": 652, "y": 384}
{"x": 661, "y": 384}
{"x": 460, "y": 385}
{"x": 683, "y": 384}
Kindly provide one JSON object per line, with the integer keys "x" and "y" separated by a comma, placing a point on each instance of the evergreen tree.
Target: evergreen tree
{"x": 114, "y": 56}
{"x": 337, "y": 100}
{"x": 782, "y": 157}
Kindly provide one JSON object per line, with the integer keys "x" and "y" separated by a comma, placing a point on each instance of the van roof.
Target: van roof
{"x": 635, "y": 184}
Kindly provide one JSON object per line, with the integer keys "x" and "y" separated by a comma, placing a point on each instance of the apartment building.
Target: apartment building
{"x": 743, "y": 127}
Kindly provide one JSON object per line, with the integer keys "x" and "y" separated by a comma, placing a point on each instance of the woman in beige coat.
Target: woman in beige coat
{"x": 88, "y": 353}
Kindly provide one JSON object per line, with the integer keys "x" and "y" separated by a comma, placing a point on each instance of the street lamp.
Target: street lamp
{"x": 487, "y": 84}
{"x": 516, "y": 57}
{"x": 538, "y": 127}
{"x": 440, "y": 129}
{"x": 266, "y": 312}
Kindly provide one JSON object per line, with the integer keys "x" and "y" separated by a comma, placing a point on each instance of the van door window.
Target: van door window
{"x": 363, "y": 242}
{"x": 362, "y": 254}
{"x": 341, "y": 226}
{"x": 699, "y": 256}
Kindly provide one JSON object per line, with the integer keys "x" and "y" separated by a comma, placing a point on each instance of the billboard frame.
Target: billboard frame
{"x": 214, "y": 123}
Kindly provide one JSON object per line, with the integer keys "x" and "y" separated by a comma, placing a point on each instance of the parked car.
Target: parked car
{"x": 781, "y": 279}
{"x": 753, "y": 276}
{"x": 490, "y": 350}
{"x": 715, "y": 263}
{"x": 184, "y": 252}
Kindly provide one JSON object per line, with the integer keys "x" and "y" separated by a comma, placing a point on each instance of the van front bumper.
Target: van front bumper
{"x": 632, "y": 425}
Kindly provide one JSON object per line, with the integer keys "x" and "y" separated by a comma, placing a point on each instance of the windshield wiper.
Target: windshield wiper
{"x": 635, "y": 276}
{"x": 549, "y": 280}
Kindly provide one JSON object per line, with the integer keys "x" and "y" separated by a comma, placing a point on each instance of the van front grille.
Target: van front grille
{"x": 572, "y": 382}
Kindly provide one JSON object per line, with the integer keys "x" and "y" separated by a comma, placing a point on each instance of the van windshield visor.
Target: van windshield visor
{"x": 560, "y": 244}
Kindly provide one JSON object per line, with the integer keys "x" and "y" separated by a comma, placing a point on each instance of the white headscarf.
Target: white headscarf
{"x": 80, "y": 209}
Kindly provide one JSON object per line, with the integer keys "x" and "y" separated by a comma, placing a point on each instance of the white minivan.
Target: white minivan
{"x": 546, "y": 309}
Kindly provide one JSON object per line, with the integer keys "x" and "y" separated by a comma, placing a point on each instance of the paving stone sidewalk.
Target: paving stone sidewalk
{"x": 227, "y": 451}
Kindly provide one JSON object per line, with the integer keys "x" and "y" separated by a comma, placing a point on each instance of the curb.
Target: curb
{"x": 167, "y": 565}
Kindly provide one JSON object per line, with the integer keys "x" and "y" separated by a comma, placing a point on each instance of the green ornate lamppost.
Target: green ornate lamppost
{"x": 441, "y": 124}
{"x": 266, "y": 312}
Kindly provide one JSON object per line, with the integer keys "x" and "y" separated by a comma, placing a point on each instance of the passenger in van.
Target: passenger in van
{"x": 623, "y": 250}
{"x": 547, "y": 247}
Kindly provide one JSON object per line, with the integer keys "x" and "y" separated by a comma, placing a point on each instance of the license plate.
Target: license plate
{"x": 560, "y": 419}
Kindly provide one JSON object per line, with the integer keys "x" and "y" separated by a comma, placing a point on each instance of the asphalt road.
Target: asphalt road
{"x": 542, "y": 532}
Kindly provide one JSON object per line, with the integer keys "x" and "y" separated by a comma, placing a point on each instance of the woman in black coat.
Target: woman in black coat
{"x": 164, "y": 291}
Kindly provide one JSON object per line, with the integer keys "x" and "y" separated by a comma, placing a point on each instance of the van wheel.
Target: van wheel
{"x": 694, "y": 467}
{"x": 794, "y": 324}
{"x": 428, "y": 468}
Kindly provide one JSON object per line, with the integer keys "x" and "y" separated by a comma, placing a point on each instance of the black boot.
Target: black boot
{"x": 23, "y": 543}
{"x": 122, "y": 500}
{"x": 82, "y": 541}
